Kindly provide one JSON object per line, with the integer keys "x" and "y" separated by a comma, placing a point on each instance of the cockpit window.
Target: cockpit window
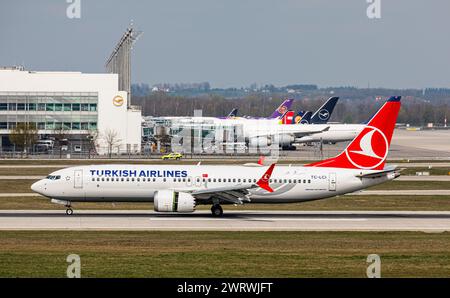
{"x": 51, "y": 177}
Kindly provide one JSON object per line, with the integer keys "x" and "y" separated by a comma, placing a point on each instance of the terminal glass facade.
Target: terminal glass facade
{"x": 49, "y": 110}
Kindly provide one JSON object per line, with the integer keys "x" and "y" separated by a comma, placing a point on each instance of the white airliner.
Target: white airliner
{"x": 259, "y": 132}
{"x": 180, "y": 188}
{"x": 263, "y": 132}
{"x": 334, "y": 133}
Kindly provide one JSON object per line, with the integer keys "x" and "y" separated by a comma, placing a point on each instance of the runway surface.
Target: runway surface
{"x": 231, "y": 221}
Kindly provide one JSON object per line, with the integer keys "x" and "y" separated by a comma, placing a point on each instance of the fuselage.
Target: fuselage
{"x": 336, "y": 133}
{"x": 285, "y": 134}
{"x": 139, "y": 183}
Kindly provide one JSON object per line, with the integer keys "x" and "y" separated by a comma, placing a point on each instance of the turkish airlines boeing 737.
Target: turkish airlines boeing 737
{"x": 180, "y": 188}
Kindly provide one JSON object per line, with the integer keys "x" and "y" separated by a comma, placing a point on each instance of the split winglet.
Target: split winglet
{"x": 264, "y": 181}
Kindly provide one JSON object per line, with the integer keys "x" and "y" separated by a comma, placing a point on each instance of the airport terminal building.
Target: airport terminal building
{"x": 82, "y": 105}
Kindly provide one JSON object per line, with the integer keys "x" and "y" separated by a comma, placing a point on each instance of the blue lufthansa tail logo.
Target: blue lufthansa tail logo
{"x": 324, "y": 114}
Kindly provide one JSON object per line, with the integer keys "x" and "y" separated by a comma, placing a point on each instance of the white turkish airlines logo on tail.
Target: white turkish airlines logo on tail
{"x": 366, "y": 146}
{"x": 372, "y": 150}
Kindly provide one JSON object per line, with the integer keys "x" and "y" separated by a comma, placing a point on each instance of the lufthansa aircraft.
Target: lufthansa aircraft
{"x": 180, "y": 188}
{"x": 278, "y": 113}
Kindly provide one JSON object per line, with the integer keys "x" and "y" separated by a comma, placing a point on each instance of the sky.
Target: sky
{"x": 234, "y": 43}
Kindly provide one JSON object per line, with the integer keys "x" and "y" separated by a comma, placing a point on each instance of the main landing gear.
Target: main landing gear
{"x": 216, "y": 210}
{"x": 69, "y": 210}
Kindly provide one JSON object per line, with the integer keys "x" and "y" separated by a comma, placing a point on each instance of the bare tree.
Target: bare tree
{"x": 93, "y": 141}
{"x": 24, "y": 136}
{"x": 111, "y": 138}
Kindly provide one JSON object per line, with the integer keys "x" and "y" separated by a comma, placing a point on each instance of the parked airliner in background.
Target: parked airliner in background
{"x": 282, "y": 130}
{"x": 283, "y": 108}
{"x": 180, "y": 188}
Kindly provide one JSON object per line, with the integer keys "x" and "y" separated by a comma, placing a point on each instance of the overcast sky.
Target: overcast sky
{"x": 239, "y": 42}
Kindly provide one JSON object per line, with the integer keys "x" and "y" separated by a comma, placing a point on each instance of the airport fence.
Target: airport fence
{"x": 302, "y": 152}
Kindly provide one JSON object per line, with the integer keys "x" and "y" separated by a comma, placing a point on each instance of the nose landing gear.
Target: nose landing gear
{"x": 66, "y": 204}
{"x": 216, "y": 210}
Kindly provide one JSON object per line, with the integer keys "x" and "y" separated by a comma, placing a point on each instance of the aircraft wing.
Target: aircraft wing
{"x": 303, "y": 134}
{"x": 235, "y": 195}
{"x": 297, "y": 130}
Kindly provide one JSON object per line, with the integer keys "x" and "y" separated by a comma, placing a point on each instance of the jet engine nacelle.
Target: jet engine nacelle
{"x": 173, "y": 201}
{"x": 260, "y": 142}
{"x": 284, "y": 140}
{"x": 305, "y": 139}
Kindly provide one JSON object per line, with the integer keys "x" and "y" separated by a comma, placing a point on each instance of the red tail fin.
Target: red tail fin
{"x": 264, "y": 181}
{"x": 369, "y": 150}
{"x": 288, "y": 117}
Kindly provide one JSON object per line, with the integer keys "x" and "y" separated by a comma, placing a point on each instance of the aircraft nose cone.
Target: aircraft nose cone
{"x": 36, "y": 187}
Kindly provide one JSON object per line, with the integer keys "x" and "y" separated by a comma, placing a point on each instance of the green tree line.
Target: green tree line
{"x": 416, "y": 110}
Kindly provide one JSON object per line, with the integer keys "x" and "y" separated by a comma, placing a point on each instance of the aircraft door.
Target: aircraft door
{"x": 78, "y": 179}
{"x": 332, "y": 182}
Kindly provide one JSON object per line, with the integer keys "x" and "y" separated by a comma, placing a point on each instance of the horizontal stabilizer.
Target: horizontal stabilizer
{"x": 383, "y": 173}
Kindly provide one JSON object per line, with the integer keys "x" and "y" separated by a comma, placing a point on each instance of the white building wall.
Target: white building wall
{"x": 127, "y": 123}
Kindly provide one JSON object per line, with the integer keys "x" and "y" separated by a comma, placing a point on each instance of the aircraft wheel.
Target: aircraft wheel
{"x": 216, "y": 210}
{"x": 69, "y": 211}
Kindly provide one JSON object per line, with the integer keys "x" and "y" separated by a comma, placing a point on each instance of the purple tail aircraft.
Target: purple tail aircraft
{"x": 279, "y": 112}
